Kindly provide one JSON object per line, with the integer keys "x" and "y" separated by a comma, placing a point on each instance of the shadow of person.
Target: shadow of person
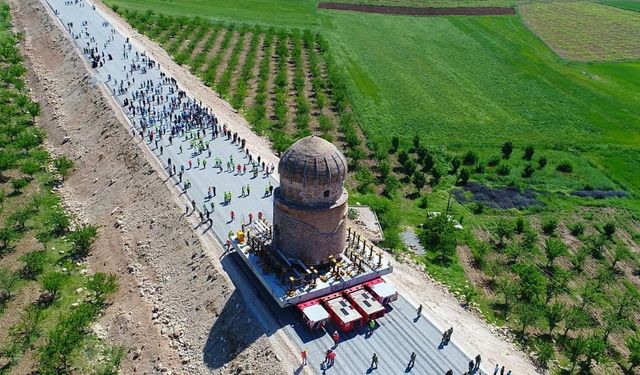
{"x": 230, "y": 334}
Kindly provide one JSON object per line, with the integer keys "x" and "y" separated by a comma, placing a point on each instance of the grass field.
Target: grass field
{"x": 433, "y": 3}
{"x": 585, "y": 31}
{"x": 623, "y": 4}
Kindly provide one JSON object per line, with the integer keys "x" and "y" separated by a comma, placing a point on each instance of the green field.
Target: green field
{"x": 623, "y": 4}
{"x": 585, "y": 31}
{"x": 433, "y": 3}
{"x": 462, "y": 82}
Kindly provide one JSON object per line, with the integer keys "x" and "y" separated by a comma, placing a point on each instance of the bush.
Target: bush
{"x": 424, "y": 202}
{"x": 493, "y": 161}
{"x": 391, "y": 185}
{"x": 528, "y": 171}
{"x": 542, "y": 162}
{"x": 384, "y": 168}
{"x": 528, "y": 152}
{"x": 577, "y": 229}
{"x": 549, "y": 226}
{"x": 463, "y": 177}
{"x": 81, "y": 240}
{"x": 395, "y": 143}
{"x": 470, "y": 158}
{"x": 102, "y": 285}
{"x": 52, "y": 282}
{"x": 34, "y": 264}
{"x": 63, "y": 165}
{"x": 520, "y": 225}
{"x": 477, "y": 208}
{"x": 507, "y": 149}
{"x": 503, "y": 170}
{"x": 565, "y": 167}
{"x": 455, "y": 164}
{"x": 609, "y": 229}
{"x": 18, "y": 184}
{"x": 403, "y": 156}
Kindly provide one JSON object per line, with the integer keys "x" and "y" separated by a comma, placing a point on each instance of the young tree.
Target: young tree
{"x": 18, "y": 184}
{"x": 102, "y": 285}
{"x": 52, "y": 282}
{"x": 64, "y": 165}
{"x": 546, "y": 352}
{"x": 504, "y": 231}
{"x": 395, "y": 143}
{"x": 521, "y": 225}
{"x": 419, "y": 180}
{"x": 528, "y": 152}
{"x": 575, "y": 349}
{"x": 6, "y": 235}
{"x": 595, "y": 351}
{"x": 384, "y": 168}
{"x": 609, "y": 229}
{"x": 463, "y": 177}
{"x": 44, "y": 237}
{"x": 549, "y": 226}
{"x": 470, "y": 158}
{"x": 507, "y": 149}
{"x": 81, "y": 240}
{"x": 416, "y": 142}
{"x": 578, "y": 259}
{"x": 528, "y": 314}
{"x": 455, "y": 164}
{"x": 391, "y": 185}
{"x": 558, "y": 282}
{"x": 34, "y": 263}
{"x": 439, "y": 235}
{"x": 436, "y": 175}
{"x": 555, "y": 314}
{"x": 554, "y": 248}
{"x": 542, "y": 162}
{"x": 403, "y": 157}
{"x": 633, "y": 344}
{"x": 409, "y": 167}
{"x": 528, "y": 171}
{"x": 531, "y": 282}
{"x": 620, "y": 254}
{"x": 574, "y": 320}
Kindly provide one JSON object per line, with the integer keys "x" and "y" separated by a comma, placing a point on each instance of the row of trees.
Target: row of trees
{"x": 538, "y": 294}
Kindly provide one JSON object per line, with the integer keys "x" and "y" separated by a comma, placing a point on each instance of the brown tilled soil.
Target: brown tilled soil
{"x": 174, "y": 311}
{"x": 415, "y": 11}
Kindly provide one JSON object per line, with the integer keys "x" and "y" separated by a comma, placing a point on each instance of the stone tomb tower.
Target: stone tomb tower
{"x": 310, "y": 206}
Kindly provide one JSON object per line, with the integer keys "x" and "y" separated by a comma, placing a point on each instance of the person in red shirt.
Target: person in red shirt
{"x": 336, "y": 338}
{"x": 303, "y": 354}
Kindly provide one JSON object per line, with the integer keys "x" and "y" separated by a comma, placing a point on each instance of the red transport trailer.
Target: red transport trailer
{"x": 383, "y": 292}
{"x": 313, "y": 314}
{"x": 342, "y": 312}
{"x": 364, "y": 302}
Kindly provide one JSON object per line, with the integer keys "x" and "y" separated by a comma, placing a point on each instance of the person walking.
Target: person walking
{"x": 374, "y": 361}
{"x": 419, "y": 311}
{"x": 495, "y": 371}
{"x": 502, "y": 370}
{"x": 233, "y": 215}
{"x": 303, "y": 354}
{"x": 478, "y": 360}
{"x": 332, "y": 358}
{"x": 336, "y": 338}
{"x": 412, "y": 360}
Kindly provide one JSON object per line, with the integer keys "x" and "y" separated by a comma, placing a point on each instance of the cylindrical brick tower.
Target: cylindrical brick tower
{"x": 310, "y": 206}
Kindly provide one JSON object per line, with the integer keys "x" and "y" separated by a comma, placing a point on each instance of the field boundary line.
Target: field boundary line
{"x": 420, "y": 11}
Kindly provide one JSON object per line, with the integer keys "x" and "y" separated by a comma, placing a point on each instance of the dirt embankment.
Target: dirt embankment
{"x": 417, "y": 11}
{"x": 175, "y": 311}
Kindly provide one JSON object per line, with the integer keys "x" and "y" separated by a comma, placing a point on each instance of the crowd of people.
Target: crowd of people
{"x": 166, "y": 118}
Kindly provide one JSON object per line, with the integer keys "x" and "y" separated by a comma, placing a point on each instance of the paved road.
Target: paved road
{"x": 399, "y": 333}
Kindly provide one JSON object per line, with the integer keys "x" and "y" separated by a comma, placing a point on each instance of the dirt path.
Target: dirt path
{"x": 175, "y": 310}
{"x": 416, "y": 11}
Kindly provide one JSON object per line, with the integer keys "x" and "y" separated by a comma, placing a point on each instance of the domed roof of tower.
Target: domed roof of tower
{"x": 312, "y": 171}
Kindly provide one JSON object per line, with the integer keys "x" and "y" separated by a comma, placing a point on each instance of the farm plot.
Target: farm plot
{"x": 585, "y": 31}
{"x": 305, "y": 95}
